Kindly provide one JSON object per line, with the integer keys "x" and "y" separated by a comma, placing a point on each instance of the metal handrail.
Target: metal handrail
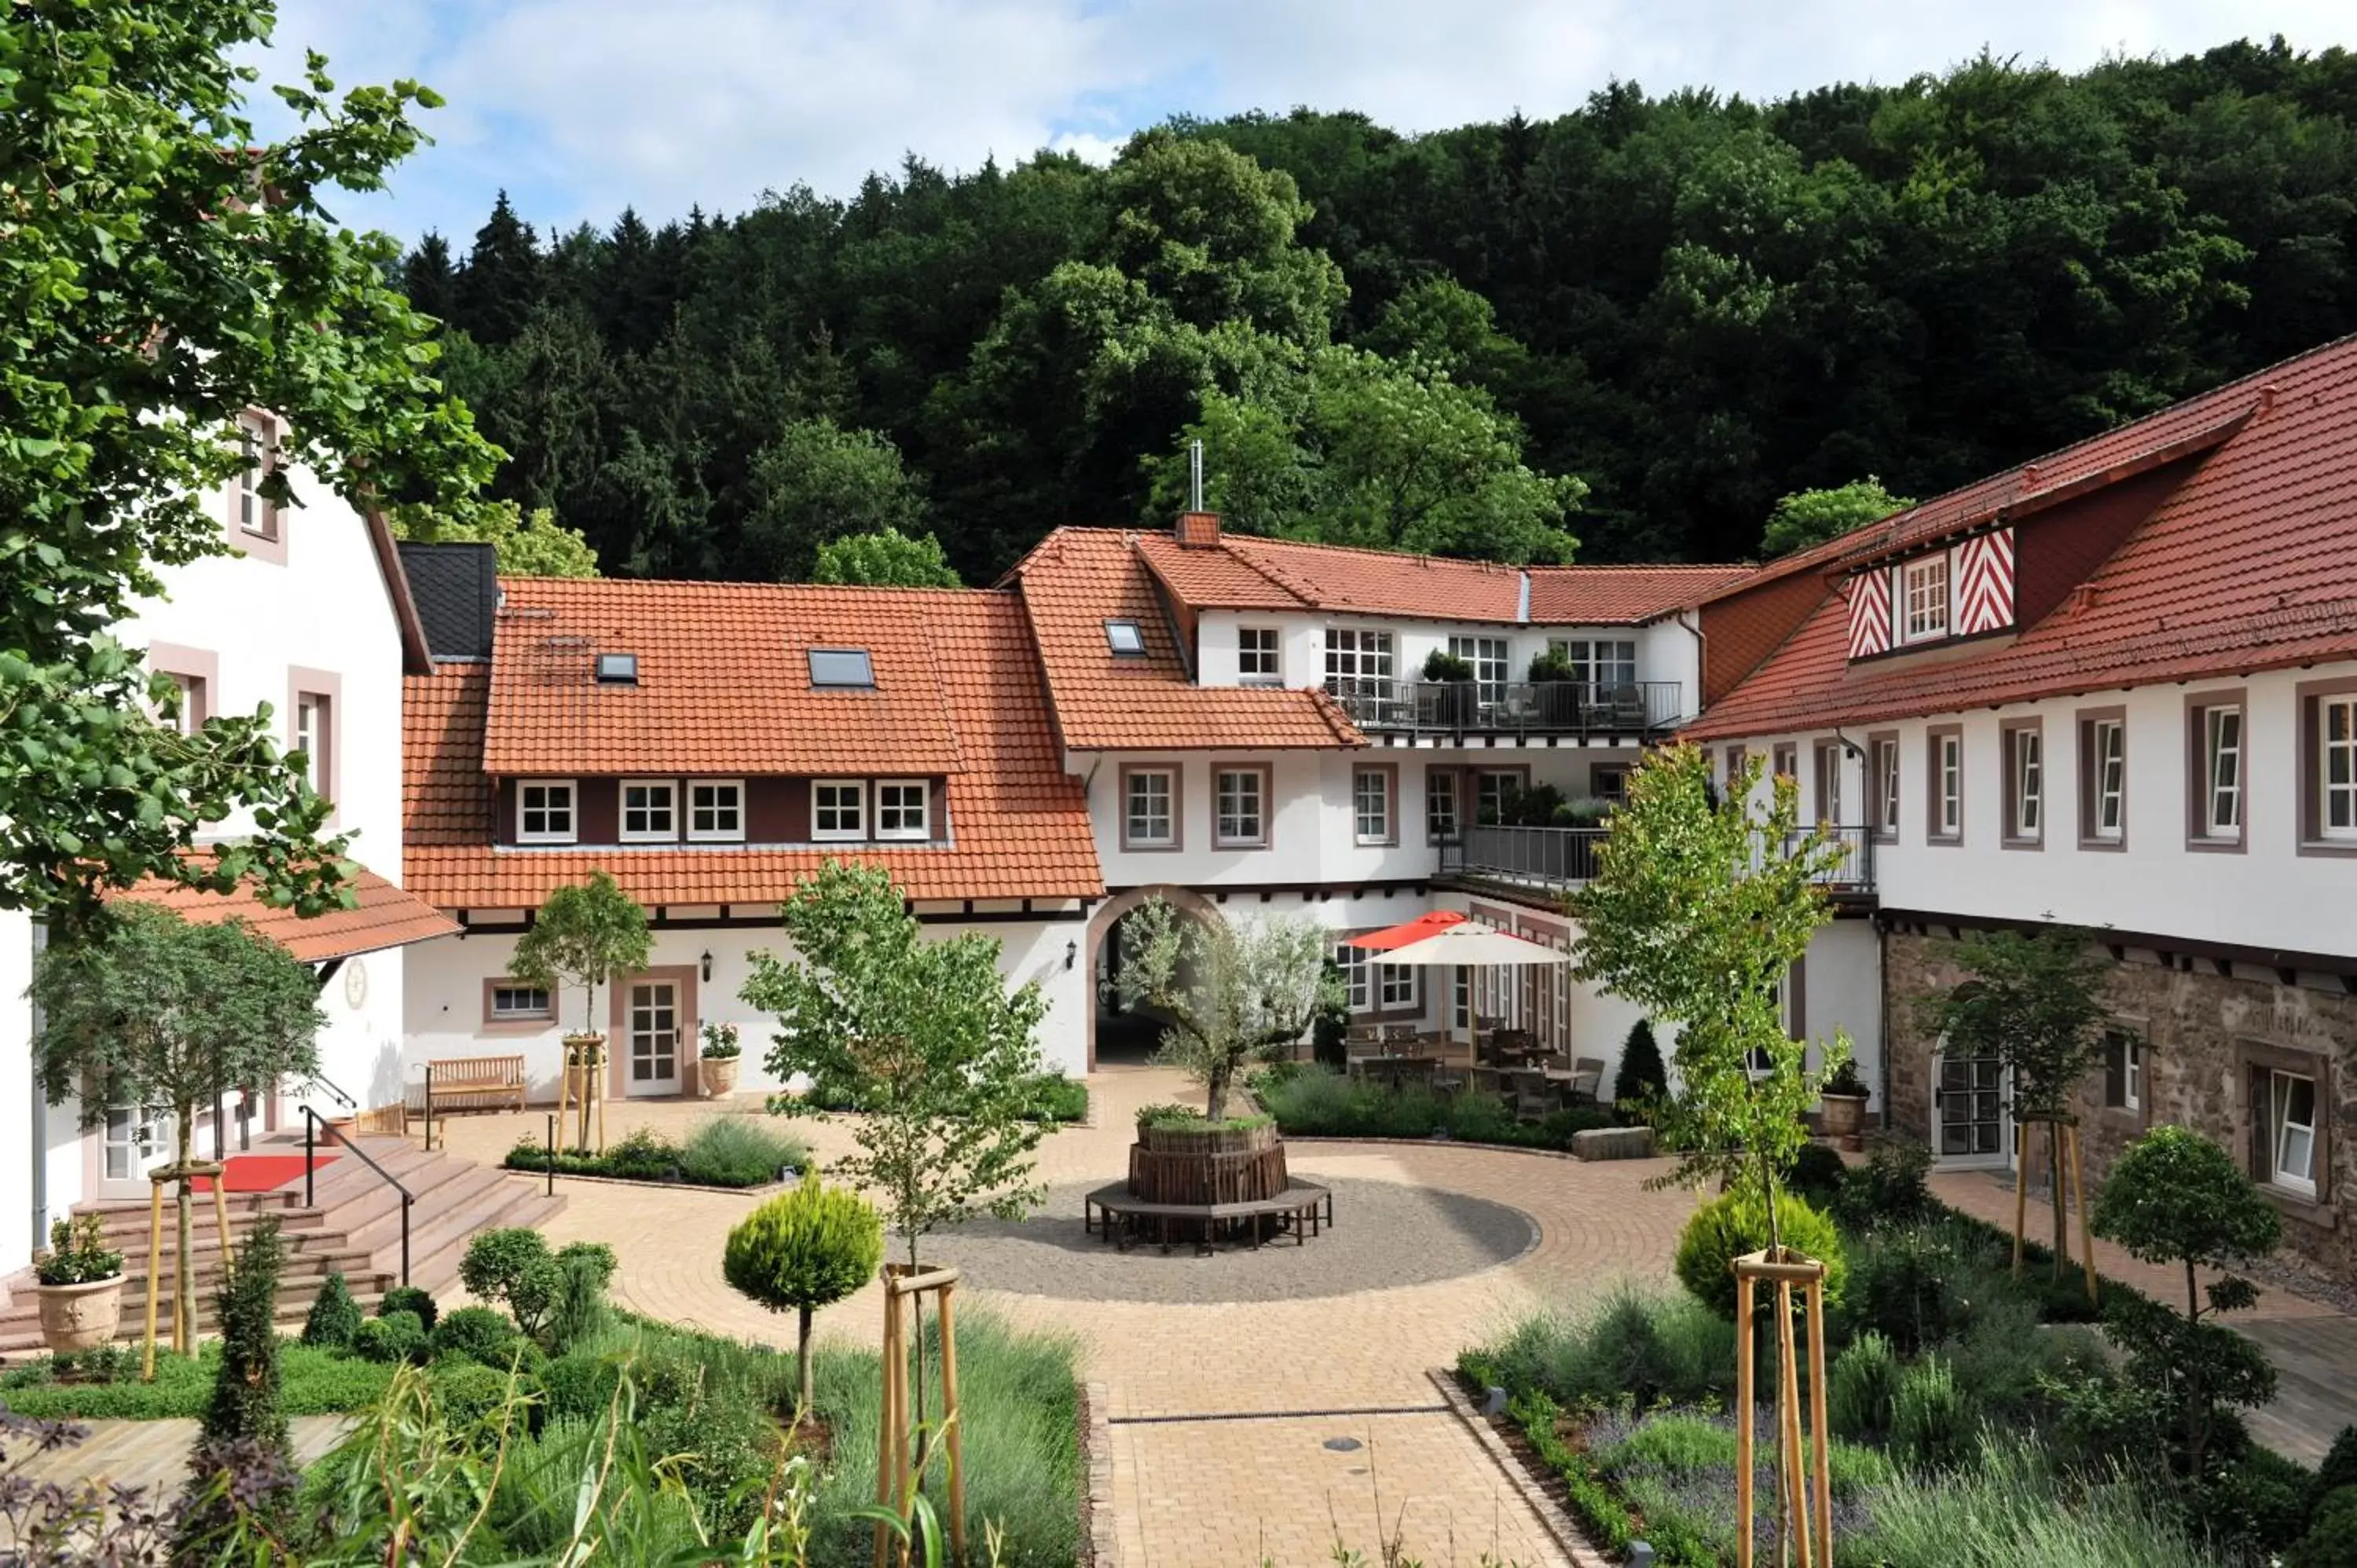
{"x": 1535, "y": 707}
{"x": 320, "y": 1081}
{"x": 311, "y": 1119}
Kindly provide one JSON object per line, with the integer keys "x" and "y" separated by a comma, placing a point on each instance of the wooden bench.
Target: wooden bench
{"x": 1304, "y": 1209}
{"x": 474, "y": 1083}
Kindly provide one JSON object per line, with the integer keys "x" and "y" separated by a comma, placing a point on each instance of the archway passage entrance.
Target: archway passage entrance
{"x": 1118, "y": 1034}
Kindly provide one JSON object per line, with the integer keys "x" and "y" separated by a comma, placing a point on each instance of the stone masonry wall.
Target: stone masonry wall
{"x": 2205, "y": 1034}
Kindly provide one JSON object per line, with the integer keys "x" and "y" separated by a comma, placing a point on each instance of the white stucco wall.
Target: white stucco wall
{"x": 16, "y": 1090}
{"x": 1664, "y": 651}
{"x": 1842, "y": 990}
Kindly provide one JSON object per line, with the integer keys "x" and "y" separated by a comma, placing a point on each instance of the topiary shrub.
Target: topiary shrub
{"x": 579, "y": 1386}
{"x": 1861, "y": 1388}
{"x": 514, "y": 1268}
{"x": 802, "y": 1250}
{"x": 584, "y": 1269}
{"x": 245, "y": 1392}
{"x": 468, "y": 1391}
{"x": 1931, "y": 1421}
{"x": 400, "y": 1337}
{"x": 1735, "y": 1223}
{"x": 335, "y": 1316}
{"x": 410, "y": 1299}
{"x": 2331, "y": 1538}
{"x": 478, "y": 1333}
{"x": 1641, "y": 1080}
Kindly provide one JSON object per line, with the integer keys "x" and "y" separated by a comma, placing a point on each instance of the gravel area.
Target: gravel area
{"x": 1384, "y": 1235}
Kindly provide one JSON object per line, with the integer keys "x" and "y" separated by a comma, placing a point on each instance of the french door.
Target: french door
{"x": 1971, "y": 1124}
{"x": 132, "y": 1140}
{"x": 653, "y": 1022}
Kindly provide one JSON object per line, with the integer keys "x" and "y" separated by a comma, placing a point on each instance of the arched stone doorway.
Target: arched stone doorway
{"x": 1104, "y": 956}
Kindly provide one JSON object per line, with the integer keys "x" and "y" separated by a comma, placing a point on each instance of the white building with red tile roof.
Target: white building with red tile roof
{"x": 2116, "y": 688}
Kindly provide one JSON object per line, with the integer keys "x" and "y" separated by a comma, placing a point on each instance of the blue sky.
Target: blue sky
{"x": 578, "y": 107}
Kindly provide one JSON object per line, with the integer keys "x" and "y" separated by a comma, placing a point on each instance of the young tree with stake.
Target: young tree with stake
{"x": 584, "y": 934}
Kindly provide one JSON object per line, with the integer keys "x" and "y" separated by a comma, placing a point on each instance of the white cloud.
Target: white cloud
{"x": 581, "y": 106}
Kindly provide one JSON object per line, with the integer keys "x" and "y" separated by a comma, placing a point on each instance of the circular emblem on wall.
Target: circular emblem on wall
{"x": 355, "y": 982}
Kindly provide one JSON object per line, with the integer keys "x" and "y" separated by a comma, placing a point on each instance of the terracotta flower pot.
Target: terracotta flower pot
{"x": 82, "y": 1317}
{"x": 1841, "y": 1116}
{"x": 719, "y": 1076}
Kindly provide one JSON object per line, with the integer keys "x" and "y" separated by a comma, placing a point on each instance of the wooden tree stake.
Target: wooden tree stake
{"x": 1804, "y": 1478}
{"x": 897, "y": 1474}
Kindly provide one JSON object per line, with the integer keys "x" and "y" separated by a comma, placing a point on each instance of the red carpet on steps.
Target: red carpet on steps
{"x": 262, "y": 1173}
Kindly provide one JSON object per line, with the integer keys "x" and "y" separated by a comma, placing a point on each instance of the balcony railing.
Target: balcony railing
{"x": 1512, "y": 707}
{"x": 1563, "y": 858}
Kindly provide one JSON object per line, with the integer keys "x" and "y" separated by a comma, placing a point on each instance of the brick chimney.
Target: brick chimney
{"x": 1199, "y": 530}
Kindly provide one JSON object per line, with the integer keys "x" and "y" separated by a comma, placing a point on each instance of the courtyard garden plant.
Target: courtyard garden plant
{"x": 731, "y": 1151}
{"x": 1312, "y": 1100}
{"x": 924, "y": 1035}
{"x": 583, "y": 935}
{"x": 80, "y": 1284}
{"x": 802, "y": 1251}
{"x": 717, "y": 1062}
{"x": 1237, "y": 994}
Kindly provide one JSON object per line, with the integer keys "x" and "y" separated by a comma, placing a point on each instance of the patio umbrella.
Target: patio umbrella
{"x": 1413, "y": 930}
{"x": 1444, "y": 939}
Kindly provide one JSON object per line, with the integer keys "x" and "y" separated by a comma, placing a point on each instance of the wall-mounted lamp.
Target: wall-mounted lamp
{"x": 1071, "y": 954}
{"x": 707, "y": 964}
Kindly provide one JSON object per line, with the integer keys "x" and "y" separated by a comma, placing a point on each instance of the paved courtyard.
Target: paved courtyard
{"x": 1226, "y": 1376}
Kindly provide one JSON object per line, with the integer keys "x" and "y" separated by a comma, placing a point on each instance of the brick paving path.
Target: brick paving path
{"x": 1192, "y": 1492}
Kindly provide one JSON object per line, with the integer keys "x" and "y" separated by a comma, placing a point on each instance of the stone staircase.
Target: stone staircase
{"x": 353, "y": 1227}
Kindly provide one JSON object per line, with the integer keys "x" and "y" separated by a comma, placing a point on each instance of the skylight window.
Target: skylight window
{"x": 617, "y": 670}
{"x": 1127, "y": 639}
{"x": 849, "y": 668}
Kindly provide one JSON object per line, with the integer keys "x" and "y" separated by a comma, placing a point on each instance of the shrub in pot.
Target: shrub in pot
{"x": 1842, "y": 1104}
{"x": 1459, "y": 699}
{"x": 80, "y": 1286}
{"x": 718, "y": 1063}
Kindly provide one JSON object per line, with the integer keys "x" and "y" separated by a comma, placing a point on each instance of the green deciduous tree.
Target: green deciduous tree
{"x": 584, "y": 934}
{"x": 166, "y": 270}
{"x": 142, "y": 1007}
{"x": 924, "y": 1036}
{"x": 802, "y": 1251}
{"x": 888, "y": 559}
{"x": 525, "y": 543}
{"x": 1701, "y": 904}
{"x": 2176, "y": 1198}
{"x": 1811, "y": 517}
{"x": 816, "y": 483}
{"x": 1236, "y": 994}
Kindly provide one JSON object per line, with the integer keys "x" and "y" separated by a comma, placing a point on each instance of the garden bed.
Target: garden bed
{"x": 1313, "y": 1102}
{"x": 734, "y": 1152}
{"x": 104, "y": 1385}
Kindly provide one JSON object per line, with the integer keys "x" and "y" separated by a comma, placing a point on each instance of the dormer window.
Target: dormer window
{"x": 649, "y": 811}
{"x": 545, "y": 811}
{"x": 1924, "y": 597}
{"x": 843, "y": 669}
{"x": 1126, "y": 639}
{"x": 617, "y": 670}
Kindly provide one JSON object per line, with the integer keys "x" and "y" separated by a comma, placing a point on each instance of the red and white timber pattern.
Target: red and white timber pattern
{"x": 1870, "y": 613}
{"x": 1983, "y": 573}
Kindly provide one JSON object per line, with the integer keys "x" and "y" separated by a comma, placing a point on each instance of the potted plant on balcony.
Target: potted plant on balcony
{"x": 583, "y": 935}
{"x": 1457, "y": 703}
{"x": 1555, "y": 688}
{"x": 717, "y": 1066}
{"x": 80, "y": 1284}
{"x": 1842, "y": 1105}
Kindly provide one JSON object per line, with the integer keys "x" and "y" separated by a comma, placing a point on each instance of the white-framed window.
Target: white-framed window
{"x": 1240, "y": 808}
{"x": 1602, "y": 660}
{"x": 2291, "y": 1117}
{"x": 649, "y": 811}
{"x": 1358, "y": 663}
{"x": 1395, "y": 987}
{"x": 839, "y": 809}
{"x": 1461, "y": 996}
{"x": 544, "y": 811}
{"x": 2336, "y": 767}
{"x": 1371, "y": 804}
{"x": 1441, "y": 811}
{"x": 2132, "y": 1074}
{"x": 1357, "y": 976}
{"x": 1488, "y": 656}
{"x": 1886, "y": 774}
{"x": 257, "y": 445}
{"x": 1947, "y": 785}
{"x": 2107, "y": 799}
{"x": 903, "y": 808}
{"x": 715, "y": 809}
{"x": 1149, "y": 813}
{"x": 1260, "y": 657}
{"x": 520, "y": 1003}
{"x": 1924, "y": 592}
{"x": 1493, "y": 791}
{"x": 311, "y": 739}
{"x": 1829, "y": 783}
{"x": 2025, "y": 784}
{"x": 2221, "y": 772}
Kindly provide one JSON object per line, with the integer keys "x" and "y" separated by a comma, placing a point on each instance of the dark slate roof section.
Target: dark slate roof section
{"x": 457, "y": 591}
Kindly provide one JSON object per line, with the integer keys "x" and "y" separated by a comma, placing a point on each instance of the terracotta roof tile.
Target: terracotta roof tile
{"x": 1075, "y": 580}
{"x": 1213, "y": 578}
{"x": 1019, "y": 825}
{"x": 2249, "y": 564}
{"x": 387, "y": 917}
{"x": 1377, "y": 582}
{"x": 1615, "y": 595}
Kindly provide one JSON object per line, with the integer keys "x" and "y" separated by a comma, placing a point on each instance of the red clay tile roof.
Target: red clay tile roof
{"x": 1214, "y": 578}
{"x": 1079, "y": 578}
{"x": 1378, "y": 582}
{"x": 1019, "y": 825}
{"x": 387, "y": 917}
{"x": 1614, "y": 595}
{"x": 2250, "y": 563}
{"x": 724, "y": 681}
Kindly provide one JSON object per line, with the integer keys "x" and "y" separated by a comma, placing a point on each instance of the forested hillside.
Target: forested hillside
{"x": 1637, "y": 326}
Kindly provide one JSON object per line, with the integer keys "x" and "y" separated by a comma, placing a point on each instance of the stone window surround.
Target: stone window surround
{"x": 1825, "y": 801}
{"x": 2309, "y": 837}
{"x": 1876, "y": 815}
{"x": 2129, "y": 1120}
{"x": 1389, "y": 771}
{"x": 516, "y": 1023}
{"x": 2197, "y": 771}
{"x": 2006, "y": 730}
{"x": 269, "y": 543}
{"x": 1177, "y": 775}
{"x": 2254, "y": 1059}
{"x": 199, "y": 668}
{"x": 1268, "y": 839}
{"x": 1933, "y": 834}
{"x": 2082, "y": 724}
{"x": 325, "y": 687}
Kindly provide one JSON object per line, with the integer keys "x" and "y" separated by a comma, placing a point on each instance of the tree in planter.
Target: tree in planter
{"x": 802, "y": 1251}
{"x": 142, "y": 1007}
{"x": 1236, "y": 996}
{"x": 584, "y": 934}
{"x": 923, "y": 1037}
{"x": 2177, "y": 1198}
{"x": 2035, "y": 1002}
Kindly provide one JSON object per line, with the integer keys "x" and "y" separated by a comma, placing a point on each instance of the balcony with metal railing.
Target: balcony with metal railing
{"x": 1636, "y": 709}
{"x": 1553, "y": 860}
